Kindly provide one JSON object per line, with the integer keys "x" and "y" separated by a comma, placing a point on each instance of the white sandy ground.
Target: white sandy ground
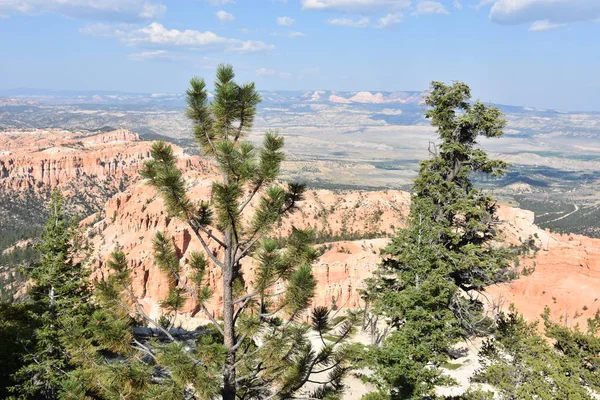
{"x": 356, "y": 388}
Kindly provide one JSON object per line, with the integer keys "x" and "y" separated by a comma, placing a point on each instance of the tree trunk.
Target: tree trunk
{"x": 229, "y": 376}
{"x": 51, "y": 306}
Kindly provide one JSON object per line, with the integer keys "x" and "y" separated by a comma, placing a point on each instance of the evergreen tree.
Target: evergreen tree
{"x": 522, "y": 364}
{"x": 247, "y": 204}
{"x": 118, "y": 358}
{"x": 60, "y": 304}
{"x": 434, "y": 268}
{"x": 16, "y": 330}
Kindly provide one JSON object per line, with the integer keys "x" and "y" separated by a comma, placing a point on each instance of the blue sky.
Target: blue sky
{"x": 541, "y": 53}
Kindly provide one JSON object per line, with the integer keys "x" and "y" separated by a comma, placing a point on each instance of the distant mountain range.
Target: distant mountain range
{"x": 399, "y": 99}
{"x": 54, "y": 97}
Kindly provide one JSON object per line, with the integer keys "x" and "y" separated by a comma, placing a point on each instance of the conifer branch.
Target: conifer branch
{"x": 197, "y": 226}
{"x": 207, "y": 249}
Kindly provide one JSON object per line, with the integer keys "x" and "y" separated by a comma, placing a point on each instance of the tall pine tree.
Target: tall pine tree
{"x": 267, "y": 355}
{"x": 434, "y": 268}
{"x": 60, "y": 294}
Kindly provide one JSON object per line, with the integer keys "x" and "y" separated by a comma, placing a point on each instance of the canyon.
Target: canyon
{"x": 563, "y": 271}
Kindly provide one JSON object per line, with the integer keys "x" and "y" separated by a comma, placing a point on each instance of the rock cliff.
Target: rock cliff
{"x": 101, "y": 171}
{"x": 130, "y": 220}
{"x": 87, "y": 167}
{"x": 564, "y": 271}
{"x": 563, "y": 274}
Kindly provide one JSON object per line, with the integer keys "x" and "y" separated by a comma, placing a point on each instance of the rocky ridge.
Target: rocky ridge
{"x": 132, "y": 219}
{"x": 87, "y": 167}
{"x": 563, "y": 271}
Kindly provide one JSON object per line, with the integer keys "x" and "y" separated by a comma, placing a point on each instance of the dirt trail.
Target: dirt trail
{"x": 564, "y": 216}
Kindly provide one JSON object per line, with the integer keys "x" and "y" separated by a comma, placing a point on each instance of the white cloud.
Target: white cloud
{"x": 250, "y": 46}
{"x": 148, "y": 55}
{"x": 359, "y": 23}
{"x": 224, "y": 16}
{"x": 285, "y": 21}
{"x": 292, "y": 34}
{"x": 390, "y": 20}
{"x": 356, "y": 6}
{"x": 220, "y": 2}
{"x": 271, "y": 72}
{"x": 483, "y": 3}
{"x": 545, "y": 25}
{"x": 429, "y": 7}
{"x": 513, "y": 12}
{"x": 457, "y": 4}
{"x": 107, "y": 10}
{"x": 386, "y": 21}
{"x": 265, "y": 72}
{"x": 156, "y": 34}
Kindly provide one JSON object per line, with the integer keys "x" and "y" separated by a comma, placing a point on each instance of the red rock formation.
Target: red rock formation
{"x": 55, "y": 159}
{"x": 133, "y": 218}
{"x": 565, "y": 277}
{"x": 566, "y": 273}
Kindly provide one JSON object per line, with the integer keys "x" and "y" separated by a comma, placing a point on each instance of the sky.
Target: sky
{"x": 538, "y": 53}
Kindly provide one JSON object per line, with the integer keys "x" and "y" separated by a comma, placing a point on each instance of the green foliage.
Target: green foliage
{"x": 445, "y": 253}
{"x": 246, "y": 206}
{"x": 16, "y": 331}
{"x": 521, "y": 364}
{"x": 60, "y": 304}
{"x": 581, "y": 348}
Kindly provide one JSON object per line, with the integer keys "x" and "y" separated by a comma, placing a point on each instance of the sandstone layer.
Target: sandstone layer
{"x": 131, "y": 220}
{"x": 564, "y": 273}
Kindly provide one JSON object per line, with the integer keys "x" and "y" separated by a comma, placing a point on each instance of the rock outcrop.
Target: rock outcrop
{"x": 88, "y": 168}
{"x": 566, "y": 269}
{"x": 563, "y": 274}
{"x": 51, "y": 159}
{"x": 130, "y": 220}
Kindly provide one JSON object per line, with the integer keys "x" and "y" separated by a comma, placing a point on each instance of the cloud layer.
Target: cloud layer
{"x": 429, "y": 7}
{"x": 285, "y": 21}
{"x": 107, "y": 10}
{"x": 355, "y": 6}
{"x": 271, "y": 72}
{"x": 156, "y": 35}
{"x": 544, "y": 13}
{"x": 224, "y": 16}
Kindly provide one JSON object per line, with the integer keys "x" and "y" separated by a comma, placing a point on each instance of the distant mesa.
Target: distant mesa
{"x": 6, "y": 101}
{"x": 379, "y": 98}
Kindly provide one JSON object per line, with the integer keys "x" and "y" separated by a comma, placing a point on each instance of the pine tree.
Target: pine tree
{"x": 522, "y": 364}
{"x": 60, "y": 295}
{"x": 434, "y": 268}
{"x": 267, "y": 354}
{"x": 118, "y": 357}
{"x": 16, "y": 330}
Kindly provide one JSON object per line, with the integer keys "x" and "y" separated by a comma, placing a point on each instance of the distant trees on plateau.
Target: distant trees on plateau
{"x": 72, "y": 338}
